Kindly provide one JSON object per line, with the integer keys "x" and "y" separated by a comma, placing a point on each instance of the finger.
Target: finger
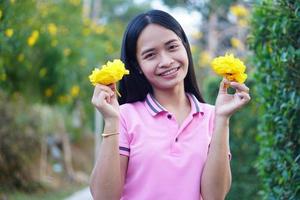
{"x": 244, "y": 96}
{"x": 112, "y": 86}
{"x": 239, "y": 87}
{"x": 223, "y": 86}
{"x": 99, "y": 88}
{"x": 101, "y": 99}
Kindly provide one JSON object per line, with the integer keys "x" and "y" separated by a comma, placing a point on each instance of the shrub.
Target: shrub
{"x": 275, "y": 40}
{"x": 19, "y": 144}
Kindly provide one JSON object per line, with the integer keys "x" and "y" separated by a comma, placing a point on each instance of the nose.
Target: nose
{"x": 165, "y": 60}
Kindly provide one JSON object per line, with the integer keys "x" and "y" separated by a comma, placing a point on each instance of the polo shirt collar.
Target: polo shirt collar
{"x": 154, "y": 107}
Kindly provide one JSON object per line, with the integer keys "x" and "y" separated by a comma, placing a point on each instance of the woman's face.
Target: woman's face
{"x": 162, "y": 57}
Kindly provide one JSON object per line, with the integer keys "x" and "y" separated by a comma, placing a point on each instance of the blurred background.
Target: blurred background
{"x": 49, "y": 129}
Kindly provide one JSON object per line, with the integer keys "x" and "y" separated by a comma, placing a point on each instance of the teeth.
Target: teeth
{"x": 169, "y": 72}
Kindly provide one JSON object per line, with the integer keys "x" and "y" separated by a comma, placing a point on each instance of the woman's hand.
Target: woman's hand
{"x": 105, "y": 100}
{"x": 227, "y": 104}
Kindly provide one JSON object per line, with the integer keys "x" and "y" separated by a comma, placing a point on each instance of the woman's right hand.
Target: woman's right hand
{"x": 105, "y": 100}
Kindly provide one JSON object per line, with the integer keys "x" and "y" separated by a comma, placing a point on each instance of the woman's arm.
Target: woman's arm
{"x": 108, "y": 175}
{"x": 216, "y": 176}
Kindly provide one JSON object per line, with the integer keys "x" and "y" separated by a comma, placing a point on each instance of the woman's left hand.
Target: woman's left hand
{"x": 227, "y": 104}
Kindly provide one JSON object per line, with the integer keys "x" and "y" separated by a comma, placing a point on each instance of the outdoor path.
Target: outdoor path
{"x": 83, "y": 194}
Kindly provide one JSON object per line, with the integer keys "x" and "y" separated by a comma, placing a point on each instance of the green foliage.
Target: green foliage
{"x": 53, "y": 65}
{"x": 275, "y": 42}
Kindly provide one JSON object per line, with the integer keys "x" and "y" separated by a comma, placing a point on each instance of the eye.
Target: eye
{"x": 149, "y": 55}
{"x": 173, "y": 47}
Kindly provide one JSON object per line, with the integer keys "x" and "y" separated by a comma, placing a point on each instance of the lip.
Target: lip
{"x": 169, "y": 72}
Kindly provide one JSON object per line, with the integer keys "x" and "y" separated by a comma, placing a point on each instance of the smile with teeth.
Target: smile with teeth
{"x": 171, "y": 71}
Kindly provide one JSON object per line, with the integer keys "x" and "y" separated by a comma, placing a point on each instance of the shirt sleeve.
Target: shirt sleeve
{"x": 124, "y": 145}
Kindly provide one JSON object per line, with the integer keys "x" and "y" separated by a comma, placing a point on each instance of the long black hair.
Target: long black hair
{"x": 135, "y": 86}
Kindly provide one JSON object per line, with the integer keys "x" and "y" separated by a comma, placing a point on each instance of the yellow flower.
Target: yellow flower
{"x": 236, "y": 43}
{"x": 64, "y": 99}
{"x": 110, "y": 73}
{"x": 67, "y": 52}
{"x": 48, "y": 92}
{"x": 75, "y": 90}
{"x": 9, "y": 32}
{"x": 239, "y": 11}
{"x": 82, "y": 62}
{"x": 43, "y": 72}
{"x": 100, "y": 29}
{"x": 242, "y": 22}
{"x": 74, "y": 2}
{"x": 230, "y": 67}
{"x": 197, "y": 35}
{"x": 33, "y": 38}
{"x": 52, "y": 29}
{"x": 193, "y": 48}
{"x": 205, "y": 58}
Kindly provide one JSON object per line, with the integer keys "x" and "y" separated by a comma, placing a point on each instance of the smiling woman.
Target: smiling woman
{"x": 163, "y": 133}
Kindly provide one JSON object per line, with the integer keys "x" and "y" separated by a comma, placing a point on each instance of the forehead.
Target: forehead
{"x": 153, "y": 35}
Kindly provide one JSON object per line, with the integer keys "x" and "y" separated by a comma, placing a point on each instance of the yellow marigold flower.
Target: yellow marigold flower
{"x": 9, "y": 32}
{"x": 239, "y": 11}
{"x": 110, "y": 73}
{"x": 52, "y": 29}
{"x": 75, "y": 90}
{"x": 33, "y": 38}
{"x": 230, "y": 67}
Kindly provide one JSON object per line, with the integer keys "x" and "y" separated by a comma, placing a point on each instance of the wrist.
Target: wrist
{"x": 223, "y": 119}
{"x": 111, "y": 125}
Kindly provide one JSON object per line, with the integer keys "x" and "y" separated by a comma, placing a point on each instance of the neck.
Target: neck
{"x": 172, "y": 99}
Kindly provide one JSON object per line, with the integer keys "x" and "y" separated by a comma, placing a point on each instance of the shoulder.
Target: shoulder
{"x": 132, "y": 110}
{"x": 207, "y": 107}
{"x": 127, "y": 107}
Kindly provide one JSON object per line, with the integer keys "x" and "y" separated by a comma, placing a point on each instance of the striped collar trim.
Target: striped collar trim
{"x": 195, "y": 104}
{"x": 155, "y": 107}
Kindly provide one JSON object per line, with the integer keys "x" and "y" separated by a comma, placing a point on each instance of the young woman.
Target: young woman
{"x": 163, "y": 142}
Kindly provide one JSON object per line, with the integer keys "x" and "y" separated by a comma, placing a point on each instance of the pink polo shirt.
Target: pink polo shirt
{"x": 165, "y": 160}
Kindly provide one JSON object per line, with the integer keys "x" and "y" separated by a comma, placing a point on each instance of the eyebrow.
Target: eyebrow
{"x": 151, "y": 49}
